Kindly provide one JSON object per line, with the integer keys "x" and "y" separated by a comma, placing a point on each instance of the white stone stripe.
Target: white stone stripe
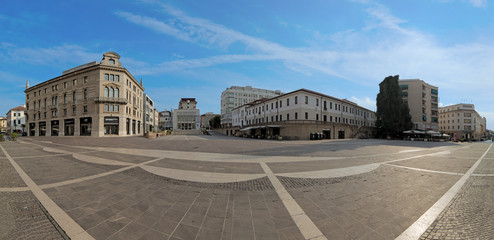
{"x": 420, "y": 226}
{"x": 333, "y": 173}
{"x": 71, "y": 228}
{"x": 196, "y": 176}
{"x": 306, "y": 226}
{"x": 98, "y": 160}
{"x": 423, "y": 170}
{"x": 483, "y": 174}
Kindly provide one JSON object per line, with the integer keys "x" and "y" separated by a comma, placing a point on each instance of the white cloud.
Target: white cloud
{"x": 204, "y": 32}
{"x": 478, "y": 3}
{"x": 384, "y": 47}
{"x": 364, "y": 102}
{"x": 48, "y": 56}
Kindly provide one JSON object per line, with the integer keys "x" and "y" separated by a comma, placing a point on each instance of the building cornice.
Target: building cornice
{"x": 85, "y": 70}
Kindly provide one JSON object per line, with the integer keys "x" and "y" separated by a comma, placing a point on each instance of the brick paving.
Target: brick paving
{"x": 469, "y": 216}
{"x": 128, "y": 202}
{"x": 22, "y": 217}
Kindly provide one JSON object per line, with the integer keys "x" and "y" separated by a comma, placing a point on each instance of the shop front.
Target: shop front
{"x": 32, "y": 129}
{"x": 55, "y": 127}
{"x": 86, "y": 126}
{"x": 69, "y": 127}
{"x": 42, "y": 129}
{"x": 111, "y": 125}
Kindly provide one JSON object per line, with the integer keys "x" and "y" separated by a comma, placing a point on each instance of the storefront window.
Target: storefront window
{"x": 86, "y": 125}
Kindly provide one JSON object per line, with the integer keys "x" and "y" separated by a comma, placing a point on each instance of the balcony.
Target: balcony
{"x": 434, "y": 107}
{"x": 110, "y": 100}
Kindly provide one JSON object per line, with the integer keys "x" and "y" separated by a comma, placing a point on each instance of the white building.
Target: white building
{"x": 186, "y": 117}
{"x": 16, "y": 121}
{"x": 236, "y": 96}
{"x": 296, "y": 114}
{"x": 148, "y": 116}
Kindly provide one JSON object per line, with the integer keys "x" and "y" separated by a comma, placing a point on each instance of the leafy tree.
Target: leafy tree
{"x": 393, "y": 115}
{"x": 215, "y": 121}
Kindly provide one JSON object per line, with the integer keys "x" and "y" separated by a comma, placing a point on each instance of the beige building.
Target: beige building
{"x": 462, "y": 121}
{"x": 16, "y": 120}
{"x": 423, "y": 100}
{"x": 205, "y": 120}
{"x": 237, "y": 96}
{"x": 297, "y": 114}
{"x": 94, "y": 99}
{"x": 3, "y": 124}
{"x": 186, "y": 117}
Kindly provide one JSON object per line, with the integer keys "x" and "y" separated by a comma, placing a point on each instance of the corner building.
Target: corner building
{"x": 463, "y": 122}
{"x": 94, "y": 99}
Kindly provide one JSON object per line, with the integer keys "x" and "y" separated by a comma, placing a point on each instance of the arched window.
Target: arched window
{"x": 106, "y": 91}
{"x": 116, "y": 92}
{"x": 111, "y": 92}
{"x": 112, "y": 61}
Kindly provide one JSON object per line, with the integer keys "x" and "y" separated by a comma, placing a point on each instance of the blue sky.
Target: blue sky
{"x": 199, "y": 48}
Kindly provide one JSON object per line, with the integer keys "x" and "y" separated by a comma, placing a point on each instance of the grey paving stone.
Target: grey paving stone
{"x": 133, "y": 230}
{"x": 101, "y": 231}
{"x": 59, "y": 168}
{"x": 184, "y": 232}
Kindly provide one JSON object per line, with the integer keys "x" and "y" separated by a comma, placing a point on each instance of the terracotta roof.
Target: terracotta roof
{"x": 19, "y": 108}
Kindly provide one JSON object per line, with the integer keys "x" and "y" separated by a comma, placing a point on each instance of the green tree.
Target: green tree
{"x": 393, "y": 115}
{"x": 215, "y": 121}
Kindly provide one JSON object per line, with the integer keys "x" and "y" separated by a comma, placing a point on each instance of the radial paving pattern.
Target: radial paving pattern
{"x": 359, "y": 189}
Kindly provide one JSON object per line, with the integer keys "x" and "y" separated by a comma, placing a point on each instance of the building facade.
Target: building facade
{"x": 463, "y": 122}
{"x": 16, "y": 120}
{"x": 186, "y": 117}
{"x": 149, "y": 118}
{"x": 165, "y": 120}
{"x": 205, "y": 120}
{"x": 423, "y": 101}
{"x": 94, "y": 99}
{"x": 236, "y": 96}
{"x": 3, "y": 124}
{"x": 297, "y": 114}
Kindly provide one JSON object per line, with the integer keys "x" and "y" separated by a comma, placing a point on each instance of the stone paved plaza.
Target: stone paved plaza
{"x": 217, "y": 187}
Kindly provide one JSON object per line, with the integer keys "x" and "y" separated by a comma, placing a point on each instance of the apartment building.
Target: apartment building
{"x": 149, "y": 114}
{"x": 3, "y": 124}
{"x": 95, "y": 99}
{"x": 463, "y": 122}
{"x": 296, "y": 114}
{"x": 422, "y": 99}
{"x": 165, "y": 120}
{"x": 236, "y": 96}
{"x": 186, "y": 117}
{"x": 16, "y": 120}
